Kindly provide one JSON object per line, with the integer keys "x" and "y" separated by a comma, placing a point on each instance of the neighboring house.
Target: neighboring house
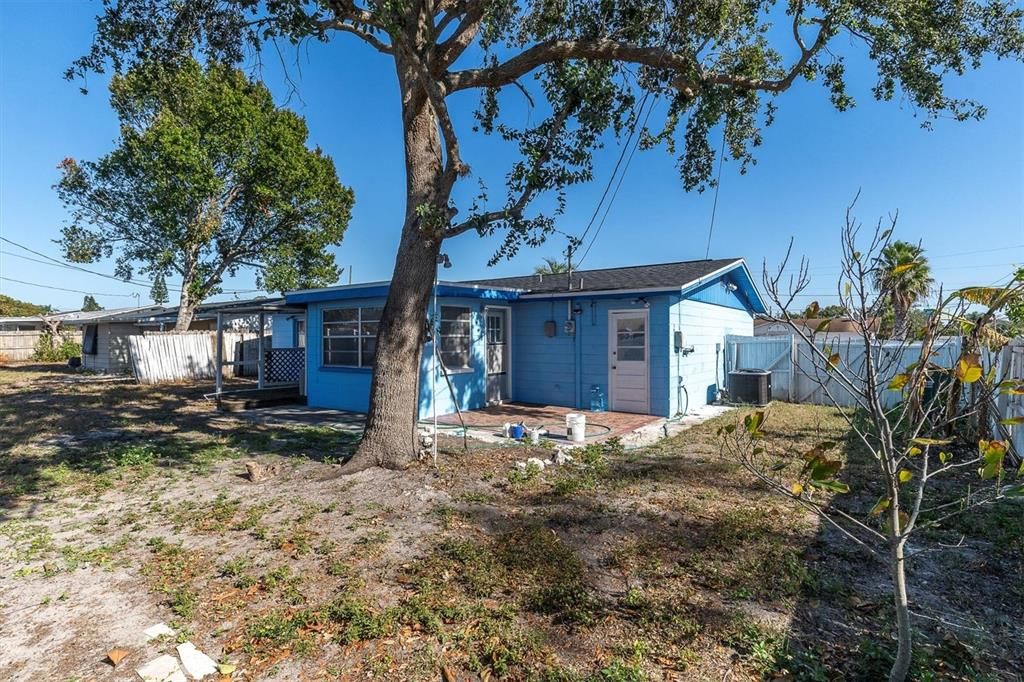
{"x": 19, "y": 336}
{"x": 645, "y": 336}
{"x": 105, "y": 337}
{"x": 73, "y": 319}
{"x": 839, "y": 329}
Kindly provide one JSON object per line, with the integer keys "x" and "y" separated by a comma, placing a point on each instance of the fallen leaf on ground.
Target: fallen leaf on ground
{"x": 115, "y": 655}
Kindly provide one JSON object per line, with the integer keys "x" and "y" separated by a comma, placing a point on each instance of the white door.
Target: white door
{"x": 627, "y": 361}
{"x": 497, "y": 355}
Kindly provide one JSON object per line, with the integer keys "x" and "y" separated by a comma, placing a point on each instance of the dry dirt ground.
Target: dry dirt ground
{"x": 122, "y": 506}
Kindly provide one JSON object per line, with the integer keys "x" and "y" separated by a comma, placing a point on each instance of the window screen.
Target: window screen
{"x": 350, "y": 336}
{"x": 455, "y": 337}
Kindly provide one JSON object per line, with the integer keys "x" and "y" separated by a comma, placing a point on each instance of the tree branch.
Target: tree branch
{"x": 515, "y": 211}
{"x": 366, "y": 36}
{"x": 689, "y": 77}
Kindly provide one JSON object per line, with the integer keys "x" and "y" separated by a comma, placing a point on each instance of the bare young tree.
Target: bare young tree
{"x": 911, "y": 405}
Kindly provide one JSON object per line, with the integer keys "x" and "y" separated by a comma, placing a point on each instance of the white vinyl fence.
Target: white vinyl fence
{"x": 796, "y": 379}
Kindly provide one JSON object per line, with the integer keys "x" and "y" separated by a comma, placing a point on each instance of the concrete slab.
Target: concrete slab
{"x": 162, "y": 669}
{"x": 291, "y": 415}
{"x": 197, "y": 664}
{"x": 158, "y": 630}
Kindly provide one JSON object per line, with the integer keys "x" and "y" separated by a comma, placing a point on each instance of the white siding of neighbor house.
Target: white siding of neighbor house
{"x": 112, "y": 353}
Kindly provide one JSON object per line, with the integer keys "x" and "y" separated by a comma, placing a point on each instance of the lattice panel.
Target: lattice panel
{"x": 285, "y": 365}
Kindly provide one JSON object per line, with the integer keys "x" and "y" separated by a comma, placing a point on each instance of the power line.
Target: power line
{"x": 718, "y": 186}
{"x": 71, "y": 266}
{"x": 622, "y": 176}
{"x": 74, "y": 291}
{"x": 615, "y": 170}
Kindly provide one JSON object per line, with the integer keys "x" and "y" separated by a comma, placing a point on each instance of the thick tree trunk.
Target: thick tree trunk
{"x": 186, "y": 309}
{"x": 390, "y": 438}
{"x": 901, "y": 666}
{"x": 900, "y": 321}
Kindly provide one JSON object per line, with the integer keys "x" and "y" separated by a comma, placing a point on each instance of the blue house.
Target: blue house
{"x": 649, "y": 338}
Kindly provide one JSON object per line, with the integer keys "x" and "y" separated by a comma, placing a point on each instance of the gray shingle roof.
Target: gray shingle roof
{"x": 667, "y": 275}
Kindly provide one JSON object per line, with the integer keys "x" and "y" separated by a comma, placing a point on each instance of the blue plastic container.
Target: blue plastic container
{"x": 598, "y": 402}
{"x": 516, "y": 431}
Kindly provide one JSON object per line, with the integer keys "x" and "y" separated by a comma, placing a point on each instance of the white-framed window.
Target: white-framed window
{"x": 350, "y": 336}
{"x": 455, "y": 337}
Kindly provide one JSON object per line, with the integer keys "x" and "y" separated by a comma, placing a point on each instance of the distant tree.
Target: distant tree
{"x": 1015, "y": 311}
{"x": 551, "y": 266}
{"x": 902, "y": 270}
{"x": 584, "y": 71}
{"x": 208, "y": 177}
{"x": 831, "y": 311}
{"x": 12, "y": 307}
{"x": 159, "y": 291}
{"x": 90, "y": 305}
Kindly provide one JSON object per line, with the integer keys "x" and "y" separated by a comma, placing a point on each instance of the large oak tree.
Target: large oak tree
{"x": 586, "y": 67}
{"x": 209, "y": 176}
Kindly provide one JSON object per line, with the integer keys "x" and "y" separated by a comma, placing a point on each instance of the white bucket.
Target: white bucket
{"x": 576, "y": 427}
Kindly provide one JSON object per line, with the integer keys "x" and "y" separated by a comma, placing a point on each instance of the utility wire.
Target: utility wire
{"x": 622, "y": 176}
{"x": 718, "y": 186}
{"x": 71, "y": 266}
{"x": 615, "y": 170}
{"x": 74, "y": 291}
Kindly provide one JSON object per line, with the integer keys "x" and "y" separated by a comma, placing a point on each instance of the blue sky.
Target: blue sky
{"x": 958, "y": 188}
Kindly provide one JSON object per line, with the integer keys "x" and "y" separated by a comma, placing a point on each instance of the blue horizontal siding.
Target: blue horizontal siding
{"x": 348, "y": 388}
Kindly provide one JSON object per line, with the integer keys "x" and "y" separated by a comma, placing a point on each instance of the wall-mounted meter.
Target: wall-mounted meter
{"x": 570, "y": 327}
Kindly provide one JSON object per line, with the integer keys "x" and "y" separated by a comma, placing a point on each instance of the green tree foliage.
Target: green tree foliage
{"x": 551, "y": 266}
{"x": 208, "y": 177}
{"x": 90, "y": 305}
{"x": 902, "y": 270}
{"x": 12, "y": 307}
{"x": 1015, "y": 311}
{"x": 833, "y": 311}
{"x": 55, "y": 347}
{"x": 159, "y": 291}
{"x": 587, "y": 70}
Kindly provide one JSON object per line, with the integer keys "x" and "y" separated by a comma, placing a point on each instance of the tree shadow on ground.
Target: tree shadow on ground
{"x": 678, "y": 548}
{"x": 843, "y": 625}
{"x": 55, "y": 431}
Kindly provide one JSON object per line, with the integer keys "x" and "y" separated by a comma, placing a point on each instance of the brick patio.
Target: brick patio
{"x": 600, "y": 425}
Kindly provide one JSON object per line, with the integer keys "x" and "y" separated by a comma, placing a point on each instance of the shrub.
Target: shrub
{"x": 48, "y": 349}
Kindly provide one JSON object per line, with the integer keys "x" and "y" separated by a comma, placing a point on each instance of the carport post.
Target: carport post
{"x": 259, "y": 350}
{"x": 220, "y": 352}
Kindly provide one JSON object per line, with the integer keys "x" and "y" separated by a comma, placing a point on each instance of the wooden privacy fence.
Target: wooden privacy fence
{"x": 165, "y": 357}
{"x": 160, "y": 358}
{"x": 21, "y": 345}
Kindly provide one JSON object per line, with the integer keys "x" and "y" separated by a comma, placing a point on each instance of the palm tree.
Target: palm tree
{"x": 551, "y": 266}
{"x": 903, "y": 275}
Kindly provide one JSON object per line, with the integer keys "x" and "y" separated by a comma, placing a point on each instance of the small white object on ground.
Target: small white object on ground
{"x": 158, "y": 630}
{"x": 162, "y": 669}
{"x": 197, "y": 664}
{"x": 561, "y": 458}
{"x": 537, "y": 462}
